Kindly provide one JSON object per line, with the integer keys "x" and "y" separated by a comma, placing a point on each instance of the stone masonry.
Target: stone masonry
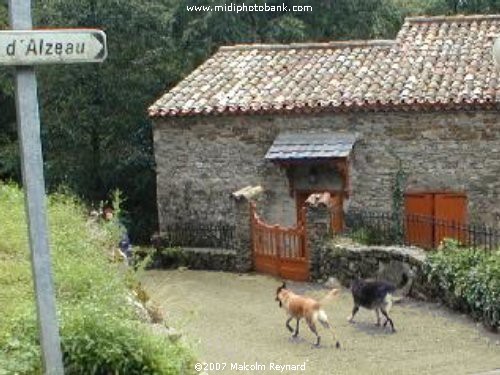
{"x": 201, "y": 160}
{"x": 318, "y": 229}
{"x": 243, "y": 231}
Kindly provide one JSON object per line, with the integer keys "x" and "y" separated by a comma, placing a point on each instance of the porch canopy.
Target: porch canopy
{"x": 290, "y": 147}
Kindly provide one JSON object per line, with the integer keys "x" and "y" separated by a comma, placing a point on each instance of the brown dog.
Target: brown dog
{"x": 299, "y": 307}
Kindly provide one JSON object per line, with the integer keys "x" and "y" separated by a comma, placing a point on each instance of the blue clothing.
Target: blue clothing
{"x": 125, "y": 245}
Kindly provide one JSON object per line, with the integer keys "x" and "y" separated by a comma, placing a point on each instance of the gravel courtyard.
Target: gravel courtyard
{"x": 230, "y": 318}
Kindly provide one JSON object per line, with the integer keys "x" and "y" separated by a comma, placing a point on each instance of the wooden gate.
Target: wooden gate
{"x": 279, "y": 251}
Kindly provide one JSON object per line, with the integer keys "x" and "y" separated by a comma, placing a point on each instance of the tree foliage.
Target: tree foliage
{"x": 96, "y": 135}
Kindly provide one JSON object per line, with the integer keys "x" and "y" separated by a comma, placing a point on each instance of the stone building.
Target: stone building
{"x": 339, "y": 117}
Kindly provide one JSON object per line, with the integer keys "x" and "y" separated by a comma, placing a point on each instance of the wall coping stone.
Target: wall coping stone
{"x": 248, "y": 192}
{"x": 412, "y": 254}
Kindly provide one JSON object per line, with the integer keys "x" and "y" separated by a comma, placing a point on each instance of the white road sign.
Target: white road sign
{"x": 59, "y": 46}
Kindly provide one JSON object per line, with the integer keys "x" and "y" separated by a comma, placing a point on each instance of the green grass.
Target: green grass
{"x": 100, "y": 331}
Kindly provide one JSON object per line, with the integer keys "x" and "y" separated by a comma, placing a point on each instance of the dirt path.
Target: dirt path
{"x": 234, "y": 319}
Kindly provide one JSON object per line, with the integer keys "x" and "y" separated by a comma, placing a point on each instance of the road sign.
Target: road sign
{"x": 23, "y": 46}
{"x": 58, "y": 46}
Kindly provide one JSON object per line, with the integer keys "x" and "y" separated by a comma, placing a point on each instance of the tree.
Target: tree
{"x": 9, "y": 155}
{"x": 96, "y": 135}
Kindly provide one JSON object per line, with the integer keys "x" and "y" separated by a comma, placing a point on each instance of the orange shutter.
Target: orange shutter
{"x": 450, "y": 211}
{"x": 418, "y": 219}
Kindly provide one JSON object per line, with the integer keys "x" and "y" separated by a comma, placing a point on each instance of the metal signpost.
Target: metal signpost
{"x": 24, "y": 48}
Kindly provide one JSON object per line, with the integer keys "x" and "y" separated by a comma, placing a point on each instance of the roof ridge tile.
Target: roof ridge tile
{"x": 311, "y": 45}
{"x": 453, "y": 18}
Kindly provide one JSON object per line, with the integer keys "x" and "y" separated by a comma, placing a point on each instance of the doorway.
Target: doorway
{"x": 337, "y": 218}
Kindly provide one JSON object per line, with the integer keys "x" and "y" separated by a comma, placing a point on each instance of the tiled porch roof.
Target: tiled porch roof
{"x": 300, "y": 146}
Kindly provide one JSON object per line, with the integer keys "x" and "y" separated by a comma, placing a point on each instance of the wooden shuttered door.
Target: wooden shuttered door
{"x": 450, "y": 211}
{"x": 419, "y": 227}
{"x": 430, "y": 217}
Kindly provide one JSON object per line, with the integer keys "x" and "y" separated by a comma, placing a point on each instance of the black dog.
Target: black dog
{"x": 373, "y": 295}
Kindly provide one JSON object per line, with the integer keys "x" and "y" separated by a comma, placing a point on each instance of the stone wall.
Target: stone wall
{"x": 201, "y": 160}
{"x": 196, "y": 259}
{"x": 345, "y": 260}
{"x": 318, "y": 230}
{"x": 243, "y": 227}
{"x": 238, "y": 258}
{"x": 399, "y": 265}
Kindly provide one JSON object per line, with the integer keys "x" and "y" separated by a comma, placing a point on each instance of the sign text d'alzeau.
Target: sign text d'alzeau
{"x": 33, "y": 47}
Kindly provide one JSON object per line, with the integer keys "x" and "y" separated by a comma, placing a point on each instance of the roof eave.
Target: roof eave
{"x": 403, "y": 106}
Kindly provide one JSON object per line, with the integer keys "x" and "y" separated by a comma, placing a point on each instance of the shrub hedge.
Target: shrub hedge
{"x": 469, "y": 279}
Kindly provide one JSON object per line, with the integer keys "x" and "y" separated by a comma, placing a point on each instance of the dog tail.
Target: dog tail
{"x": 320, "y": 316}
{"x": 329, "y": 296}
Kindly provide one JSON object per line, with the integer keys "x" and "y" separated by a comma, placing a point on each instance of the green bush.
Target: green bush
{"x": 468, "y": 279}
{"x": 100, "y": 331}
{"x": 96, "y": 342}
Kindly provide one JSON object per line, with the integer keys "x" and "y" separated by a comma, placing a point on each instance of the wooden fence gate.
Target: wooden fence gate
{"x": 279, "y": 251}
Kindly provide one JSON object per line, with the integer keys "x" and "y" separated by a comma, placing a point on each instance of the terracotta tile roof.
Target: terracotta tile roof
{"x": 434, "y": 63}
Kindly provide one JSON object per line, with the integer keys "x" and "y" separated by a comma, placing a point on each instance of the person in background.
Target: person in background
{"x": 125, "y": 247}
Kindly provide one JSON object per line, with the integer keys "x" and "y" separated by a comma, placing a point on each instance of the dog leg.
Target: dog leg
{"x": 385, "y": 310}
{"x": 354, "y": 311}
{"x": 312, "y": 327}
{"x": 329, "y": 327}
{"x": 388, "y": 303}
{"x": 387, "y": 319}
{"x": 288, "y": 324}
{"x": 378, "y": 317}
{"x": 295, "y": 334}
